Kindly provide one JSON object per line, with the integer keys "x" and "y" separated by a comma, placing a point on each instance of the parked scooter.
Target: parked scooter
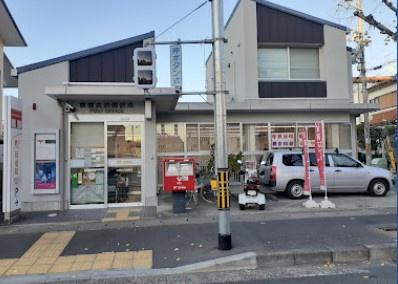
{"x": 251, "y": 187}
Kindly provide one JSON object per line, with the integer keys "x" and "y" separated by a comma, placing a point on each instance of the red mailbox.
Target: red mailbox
{"x": 178, "y": 174}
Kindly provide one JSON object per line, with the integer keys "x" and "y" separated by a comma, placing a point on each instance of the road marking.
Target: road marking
{"x": 44, "y": 256}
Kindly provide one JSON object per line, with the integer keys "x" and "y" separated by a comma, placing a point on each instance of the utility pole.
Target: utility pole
{"x": 360, "y": 39}
{"x": 220, "y": 119}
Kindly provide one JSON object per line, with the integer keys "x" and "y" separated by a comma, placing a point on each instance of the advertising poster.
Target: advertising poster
{"x": 306, "y": 162}
{"x": 45, "y": 172}
{"x": 12, "y": 156}
{"x": 319, "y": 154}
{"x": 282, "y": 140}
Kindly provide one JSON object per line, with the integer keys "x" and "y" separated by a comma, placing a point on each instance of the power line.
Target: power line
{"x": 390, "y": 5}
{"x": 182, "y": 19}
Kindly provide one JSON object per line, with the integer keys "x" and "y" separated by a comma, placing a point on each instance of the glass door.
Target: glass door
{"x": 124, "y": 143}
{"x": 87, "y": 183}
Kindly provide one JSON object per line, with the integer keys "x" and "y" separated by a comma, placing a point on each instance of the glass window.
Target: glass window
{"x": 345, "y": 136}
{"x": 283, "y": 136}
{"x": 338, "y": 135}
{"x": 124, "y": 141}
{"x": 87, "y": 139}
{"x": 170, "y": 137}
{"x": 272, "y": 63}
{"x": 313, "y": 162}
{"x": 233, "y": 137}
{"x": 340, "y": 160}
{"x": 292, "y": 160}
{"x": 310, "y": 133}
{"x": 192, "y": 137}
{"x": 206, "y": 136}
{"x": 304, "y": 63}
{"x": 255, "y": 137}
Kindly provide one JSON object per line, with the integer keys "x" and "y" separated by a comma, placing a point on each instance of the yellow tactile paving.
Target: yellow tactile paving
{"x": 17, "y": 270}
{"x": 39, "y": 269}
{"x": 142, "y": 259}
{"x": 44, "y": 257}
{"x": 122, "y": 214}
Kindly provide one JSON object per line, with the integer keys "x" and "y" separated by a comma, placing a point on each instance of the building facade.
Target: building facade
{"x": 385, "y": 95}
{"x": 285, "y": 70}
{"x": 10, "y": 36}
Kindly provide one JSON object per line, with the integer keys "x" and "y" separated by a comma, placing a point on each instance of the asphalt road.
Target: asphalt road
{"x": 184, "y": 244}
{"x": 176, "y": 245}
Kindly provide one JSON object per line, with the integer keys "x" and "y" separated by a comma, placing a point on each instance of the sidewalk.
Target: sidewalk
{"x": 276, "y": 209}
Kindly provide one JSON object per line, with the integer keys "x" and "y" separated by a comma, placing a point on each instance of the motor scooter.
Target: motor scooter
{"x": 251, "y": 187}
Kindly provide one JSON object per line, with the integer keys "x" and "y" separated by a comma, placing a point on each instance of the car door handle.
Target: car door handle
{"x": 337, "y": 171}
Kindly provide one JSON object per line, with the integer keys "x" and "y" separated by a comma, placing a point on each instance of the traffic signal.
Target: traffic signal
{"x": 144, "y": 67}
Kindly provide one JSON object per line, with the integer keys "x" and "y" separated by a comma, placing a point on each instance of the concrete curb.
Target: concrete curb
{"x": 336, "y": 255}
{"x": 249, "y": 260}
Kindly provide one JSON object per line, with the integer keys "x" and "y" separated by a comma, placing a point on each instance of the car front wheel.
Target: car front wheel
{"x": 378, "y": 187}
{"x": 295, "y": 189}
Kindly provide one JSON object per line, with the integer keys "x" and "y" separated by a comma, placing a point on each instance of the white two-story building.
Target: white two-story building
{"x": 285, "y": 70}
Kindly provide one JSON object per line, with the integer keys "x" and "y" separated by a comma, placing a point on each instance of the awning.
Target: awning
{"x": 165, "y": 99}
{"x": 283, "y": 105}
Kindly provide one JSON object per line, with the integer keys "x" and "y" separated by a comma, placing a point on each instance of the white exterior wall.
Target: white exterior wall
{"x": 333, "y": 60}
{"x": 1, "y": 80}
{"x": 241, "y": 52}
{"x": 48, "y": 114}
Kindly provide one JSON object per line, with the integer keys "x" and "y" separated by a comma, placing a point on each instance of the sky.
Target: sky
{"x": 54, "y": 28}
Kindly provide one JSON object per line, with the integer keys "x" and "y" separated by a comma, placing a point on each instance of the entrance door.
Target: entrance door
{"x": 125, "y": 151}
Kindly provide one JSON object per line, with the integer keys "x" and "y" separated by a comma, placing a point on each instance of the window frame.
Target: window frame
{"x": 289, "y": 78}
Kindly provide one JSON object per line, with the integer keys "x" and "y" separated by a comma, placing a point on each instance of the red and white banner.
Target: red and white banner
{"x": 319, "y": 154}
{"x": 12, "y": 179}
{"x": 306, "y": 162}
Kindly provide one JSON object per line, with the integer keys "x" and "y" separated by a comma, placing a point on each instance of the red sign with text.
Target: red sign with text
{"x": 178, "y": 174}
{"x": 306, "y": 161}
{"x": 319, "y": 154}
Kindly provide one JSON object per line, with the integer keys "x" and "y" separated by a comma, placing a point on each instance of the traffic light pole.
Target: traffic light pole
{"x": 220, "y": 115}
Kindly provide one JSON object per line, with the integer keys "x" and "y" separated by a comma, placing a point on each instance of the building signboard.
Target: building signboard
{"x": 176, "y": 66}
{"x": 12, "y": 156}
{"x": 282, "y": 140}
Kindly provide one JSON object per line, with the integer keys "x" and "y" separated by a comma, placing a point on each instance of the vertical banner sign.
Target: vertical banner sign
{"x": 319, "y": 154}
{"x": 176, "y": 66}
{"x": 306, "y": 162}
{"x": 12, "y": 155}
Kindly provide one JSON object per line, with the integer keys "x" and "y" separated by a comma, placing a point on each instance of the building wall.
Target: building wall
{"x": 1, "y": 78}
{"x": 243, "y": 31}
{"x": 333, "y": 61}
{"x": 240, "y": 54}
{"x": 48, "y": 115}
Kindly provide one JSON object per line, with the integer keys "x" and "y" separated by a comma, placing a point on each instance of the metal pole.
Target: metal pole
{"x": 221, "y": 152}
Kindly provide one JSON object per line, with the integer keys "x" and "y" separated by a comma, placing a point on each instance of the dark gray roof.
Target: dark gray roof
{"x": 300, "y": 14}
{"x": 87, "y": 52}
{"x": 12, "y": 20}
